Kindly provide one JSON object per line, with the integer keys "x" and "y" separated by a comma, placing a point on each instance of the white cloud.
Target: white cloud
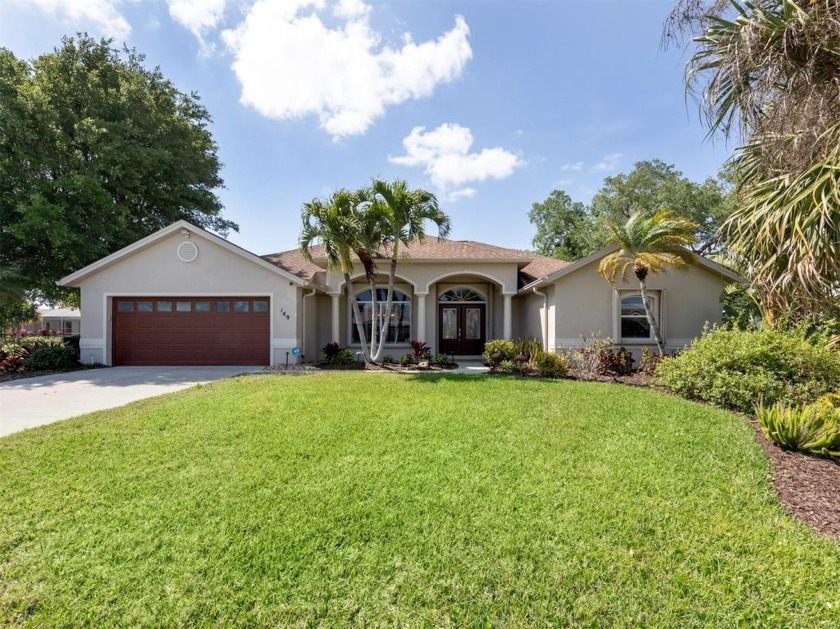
{"x": 609, "y": 162}
{"x": 291, "y": 64}
{"x": 572, "y": 166}
{"x": 444, "y": 154}
{"x": 102, "y": 13}
{"x": 198, "y": 16}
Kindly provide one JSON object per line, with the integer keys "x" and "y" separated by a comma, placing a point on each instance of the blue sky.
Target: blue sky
{"x": 490, "y": 104}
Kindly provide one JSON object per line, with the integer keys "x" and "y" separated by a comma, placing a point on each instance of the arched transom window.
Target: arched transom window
{"x": 458, "y": 295}
{"x": 398, "y": 324}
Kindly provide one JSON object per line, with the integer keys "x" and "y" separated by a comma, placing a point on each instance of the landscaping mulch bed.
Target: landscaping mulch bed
{"x": 808, "y": 486}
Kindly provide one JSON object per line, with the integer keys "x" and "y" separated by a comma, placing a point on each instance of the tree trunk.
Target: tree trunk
{"x": 651, "y": 320}
{"x": 357, "y": 316}
{"x": 379, "y": 348}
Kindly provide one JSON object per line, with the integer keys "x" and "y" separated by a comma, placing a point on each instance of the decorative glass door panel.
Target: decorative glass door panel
{"x": 449, "y": 323}
{"x": 462, "y": 329}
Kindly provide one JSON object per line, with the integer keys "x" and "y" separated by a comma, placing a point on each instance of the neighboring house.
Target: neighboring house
{"x": 186, "y": 296}
{"x": 59, "y": 320}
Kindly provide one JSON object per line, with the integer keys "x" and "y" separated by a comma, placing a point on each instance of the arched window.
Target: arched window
{"x": 458, "y": 295}
{"x": 634, "y": 323}
{"x": 399, "y": 323}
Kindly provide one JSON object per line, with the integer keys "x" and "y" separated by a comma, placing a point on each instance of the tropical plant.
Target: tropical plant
{"x": 814, "y": 428}
{"x": 338, "y": 224}
{"x": 400, "y": 214}
{"x": 648, "y": 245}
{"x": 330, "y": 351}
{"x": 769, "y": 72}
{"x": 419, "y": 349}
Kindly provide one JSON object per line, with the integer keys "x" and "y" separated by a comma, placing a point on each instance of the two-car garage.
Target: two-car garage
{"x": 212, "y": 330}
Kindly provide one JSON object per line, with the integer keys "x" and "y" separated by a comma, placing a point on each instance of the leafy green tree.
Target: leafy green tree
{"x": 653, "y": 186}
{"x": 648, "y": 245}
{"x": 14, "y": 313}
{"x": 405, "y": 213}
{"x": 571, "y": 230}
{"x": 565, "y": 228}
{"x": 96, "y": 151}
{"x": 769, "y": 73}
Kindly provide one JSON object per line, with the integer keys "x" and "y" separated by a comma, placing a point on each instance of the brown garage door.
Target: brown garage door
{"x": 191, "y": 330}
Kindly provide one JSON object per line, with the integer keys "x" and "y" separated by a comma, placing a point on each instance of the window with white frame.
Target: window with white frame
{"x": 634, "y": 324}
{"x": 399, "y": 322}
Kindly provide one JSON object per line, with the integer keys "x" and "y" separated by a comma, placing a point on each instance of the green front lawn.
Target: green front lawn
{"x": 365, "y": 499}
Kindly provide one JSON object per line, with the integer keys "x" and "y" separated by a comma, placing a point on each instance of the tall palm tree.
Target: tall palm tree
{"x": 405, "y": 213}
{"x": 648, "y": 245}
{"x": 338, "y": 223}
{"x": 769, "y": 71}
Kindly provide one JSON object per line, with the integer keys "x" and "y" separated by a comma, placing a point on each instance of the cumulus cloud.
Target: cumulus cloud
{"x": 444, "y": 154}
{"x": 609, "y": 162}
{"x": 198, "y": 16}
{"x": 572, "y": 166}
{"x": 291, "y": 63}
{"x": 102, "y": 13}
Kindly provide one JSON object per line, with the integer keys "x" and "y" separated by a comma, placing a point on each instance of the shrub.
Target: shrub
{"x": 331, "y": 351}
{"x": 343, "y": 357}
{"x": 11, "y": 363}
{"x": 72, "y": 341}
{"x": 387, "y": 358}
{"x": 551, "y": 365}
{"x": 612, "y": 361}
{"x": 734, "y": 369}
{"x": 813, "y": 428}
{"x": 649, "y": 361}
{"x": 420, "y": 349}
{"x": 440, "y": 359}
{"x": 505, "y": 350}
{"x": 55, "y": 358}
{"x": 406, "y": 360}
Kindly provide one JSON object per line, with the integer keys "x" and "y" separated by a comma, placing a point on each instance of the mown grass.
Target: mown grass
{"x": 369, "y": 499}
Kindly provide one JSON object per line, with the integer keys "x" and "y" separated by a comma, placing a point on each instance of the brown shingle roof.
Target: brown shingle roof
{"x": 431, "y": 249}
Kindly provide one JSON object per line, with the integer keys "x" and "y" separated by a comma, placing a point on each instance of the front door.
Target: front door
{"x": 461, "y": 329}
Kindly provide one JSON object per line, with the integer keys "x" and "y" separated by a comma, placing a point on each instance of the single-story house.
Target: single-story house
{"x": 186, "y": 296}
{"x": 56, "y": 320}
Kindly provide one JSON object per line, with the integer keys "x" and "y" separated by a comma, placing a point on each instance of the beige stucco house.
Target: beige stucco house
{"x": 186, "y": 296}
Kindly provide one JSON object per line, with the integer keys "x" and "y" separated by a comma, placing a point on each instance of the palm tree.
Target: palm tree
{"x": 339, "y": 225}
{"x": 769, "y": 71}
{"x": 648, "y": 245}
{"x": 405, "y": 213}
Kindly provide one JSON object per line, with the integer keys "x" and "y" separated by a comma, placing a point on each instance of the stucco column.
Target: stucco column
{"x": 336, "y": 310}
{"x": 508, "y": 317}
{"x": 421, "y": 318}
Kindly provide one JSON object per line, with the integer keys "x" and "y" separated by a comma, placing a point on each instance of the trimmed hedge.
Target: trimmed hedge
{"x": 53, "y": 358}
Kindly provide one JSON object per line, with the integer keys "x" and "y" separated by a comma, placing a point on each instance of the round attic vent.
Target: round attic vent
{"x": 187, "y": 251}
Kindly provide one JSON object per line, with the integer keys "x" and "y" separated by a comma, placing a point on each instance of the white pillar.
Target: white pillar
{"x": 508, "y": 318}
{"x": 336, "y": 328}
{"x": 421, "y": 318}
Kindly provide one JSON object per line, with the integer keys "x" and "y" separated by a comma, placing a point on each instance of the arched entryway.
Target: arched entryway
{"x": 462, "y": 322}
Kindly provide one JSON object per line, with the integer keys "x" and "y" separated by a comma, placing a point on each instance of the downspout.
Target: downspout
{"x": 545, "y": 324}
{"x": 305, "y": 317}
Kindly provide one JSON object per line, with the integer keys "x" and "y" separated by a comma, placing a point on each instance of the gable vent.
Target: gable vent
{"x": 187, "y": 251}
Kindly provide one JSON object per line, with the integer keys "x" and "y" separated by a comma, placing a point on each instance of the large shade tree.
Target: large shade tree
{"x": 571, "y": 230}
{"x": 768, "y": 73}
{"x": 96, "y": 151}
{"x": 648, "y": 245}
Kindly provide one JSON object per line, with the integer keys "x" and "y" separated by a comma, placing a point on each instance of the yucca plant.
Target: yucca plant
{"x": 813, "y": 428}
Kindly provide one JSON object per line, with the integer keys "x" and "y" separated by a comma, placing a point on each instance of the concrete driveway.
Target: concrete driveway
{"x": 36, "y": 401}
